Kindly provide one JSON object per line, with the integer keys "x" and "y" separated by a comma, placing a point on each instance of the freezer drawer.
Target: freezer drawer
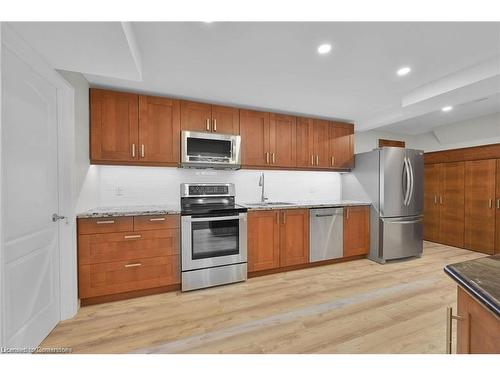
{"x": 400, "y": 237}
{"x": 326, "y": 234}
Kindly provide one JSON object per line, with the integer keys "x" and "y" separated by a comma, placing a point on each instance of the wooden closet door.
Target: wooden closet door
{"x": 283, "y": 140}
{"x": 225, "y": 120}
{"x": 321, "y": 143}
{"x": 159, "y": 129}
{"x": 304, "y": 146}
{"x": 254, "y": 129}
{"x": 479, "y": 205}
{"x": 452, "y": 201}
{"x": 113, "y": 126}
{"x": 263, "y": 240}
{"x": 196, "y": 116}
{"x": 294, "y": 237}
{"x": 497, "y": 209}
{"x": 432, "y": 176}
{"x": 341, "y": 145}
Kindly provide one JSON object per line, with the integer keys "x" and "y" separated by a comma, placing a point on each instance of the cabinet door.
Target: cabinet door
{"x": 294, "y": 237}
{"x": 321, "y": 143}
{"x": 225, "y": 120}
{"x": 254, "y": 129}
{"x": 356, "y": 230}
{"x": 113, "y": 126}
{"x": 432, "y": 176}
{"x": 497, "y": 221}
{"x": 479, "y": 205}
{"x": 196, "y": 116}
{"x": 159, "y": 129}
{"x": 341, "y": 145}
{"x": 305, "y": 147}
{"x": 263, "y": 240}
{"x": 283, "y": 140}
{"x": 452, "y": 200}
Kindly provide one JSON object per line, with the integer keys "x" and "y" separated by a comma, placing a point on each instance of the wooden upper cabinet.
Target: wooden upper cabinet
{"x": 321, "y": 143}
{"x": 225, "y": 120}
{"x": 294, "y": 237}
{"x": 202, "y": 117}
{"x": 451, "y": 204}
{"x": 497, "y": 208}
{"x": 282, "y": 140}
{"x": 113, "y": 126}
{"x": 356, "y": 230}
{"x": 159, "y": 130}
{"x": 304, "y": 144}
{"x": 341, "y": 145}
{"x": 263, "y": 240}
{"x": 432, "y": 178}
{"x": 480, "y": 178}
{"x": 255, "y": 134}
{"x": 196, "y": 116}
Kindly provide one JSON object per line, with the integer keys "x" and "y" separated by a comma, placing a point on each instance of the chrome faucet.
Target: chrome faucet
{"x": 263, "y": 198}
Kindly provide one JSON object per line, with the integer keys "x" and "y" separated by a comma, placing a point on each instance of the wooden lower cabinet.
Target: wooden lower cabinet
{"x": 497, "y": 208}
{"x": 432, "y": 179}
{"x": 478, "y": 332}
{"x": 356, "y": 230}
{"x": 127, "y": 254}
{"x": 277, "y": 238}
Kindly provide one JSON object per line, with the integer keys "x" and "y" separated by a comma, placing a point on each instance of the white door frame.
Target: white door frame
{"x": 66, "y": 160}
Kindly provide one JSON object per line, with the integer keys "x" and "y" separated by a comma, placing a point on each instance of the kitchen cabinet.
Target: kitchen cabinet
{"x": 480, "y": 179}
{"x": 321, "y": 143}
{"x": 305, "y": 147}
{"x": 282, "y": 140}
{"x": 114, "y": 122}
{"x": 202, "y": 117}
{"x": 277, "y": 238}
{"x": 478, "y": 330}
{"x": 126, "y": 256}
{"x": 133, "y": 129}
{"x": 255, "y": 138}
{"x": 497, "y": 207}
{"x": 341, "y": 145}
{"x": 356, "y": 230}
{"x": 444, "y": 202}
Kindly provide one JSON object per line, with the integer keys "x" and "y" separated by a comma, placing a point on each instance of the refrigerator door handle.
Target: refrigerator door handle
{"x": 412, "y": 181}
{"x": 407, "y": 175}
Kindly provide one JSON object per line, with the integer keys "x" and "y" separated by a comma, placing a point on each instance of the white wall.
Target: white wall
{"x": 368, "y": 140}
{"x": 119, "y": 186}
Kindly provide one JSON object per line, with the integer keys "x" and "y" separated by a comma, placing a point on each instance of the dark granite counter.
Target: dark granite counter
{"x": 481, "y": 278}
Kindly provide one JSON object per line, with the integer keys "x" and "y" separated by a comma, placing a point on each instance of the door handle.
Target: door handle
{"x": 105, "y": 222}
{"x": 407, "y": 176}
{"x": 215, "y": 125}
{"x": 133, "y": 265}
{"x": 132, "y": 236}
{"x": 449, "y": 319}
{"x": 208, "y": 124}
{"x": 56, "y": 217}
{"x": 410, "y": 196}
{"x": 157, "y": 219}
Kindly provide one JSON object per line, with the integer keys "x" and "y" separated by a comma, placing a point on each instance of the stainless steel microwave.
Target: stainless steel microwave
{"x": 207, "y": 150}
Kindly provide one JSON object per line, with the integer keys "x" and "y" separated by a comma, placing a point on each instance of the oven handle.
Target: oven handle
{"x": 214, "y": 218}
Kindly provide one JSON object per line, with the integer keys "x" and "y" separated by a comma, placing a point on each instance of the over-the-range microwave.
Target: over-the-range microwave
{"x": 208, "y": 150}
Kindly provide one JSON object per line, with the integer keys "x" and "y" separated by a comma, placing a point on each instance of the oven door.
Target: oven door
{"x": 213, "y": 241}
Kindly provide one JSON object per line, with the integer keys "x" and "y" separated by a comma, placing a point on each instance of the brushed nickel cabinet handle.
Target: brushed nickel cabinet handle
{"x": 274, "y": 158}
{"x": 317, "y": 159}
{"x": 312, "y": 159}
{"x": 105, "y": 222}
{"x": 347, "y": 213}
{"x": 490, "y": 204}
{"x": 133, "y": 150}
{"x": 498, "y": 204}
{"x": 267, "y": 157}
{"x": 440, "y": 200}
{"x": 142, "y": 151}
{"x": 157, "y": 219}
{"x": 284, "y": 217}
{"x": 133, "y": 265}
{"x": 277, "y": 217}
{"x": 435, "y": 199}
{"x": 333, "y": 161}
{"x": 132, "y": 236}
{"x": 208, "y": 124}
{"x": 449, "y": 318}
{"x": 215, "y": 125}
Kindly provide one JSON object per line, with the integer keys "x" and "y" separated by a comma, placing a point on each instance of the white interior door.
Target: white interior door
{"x": 30, "y": 197}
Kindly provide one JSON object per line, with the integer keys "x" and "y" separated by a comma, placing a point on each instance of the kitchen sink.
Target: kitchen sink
{"x": 268, "y": 204}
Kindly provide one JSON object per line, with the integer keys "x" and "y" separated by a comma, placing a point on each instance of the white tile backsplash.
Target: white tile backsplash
{"x": 117, "y": 185}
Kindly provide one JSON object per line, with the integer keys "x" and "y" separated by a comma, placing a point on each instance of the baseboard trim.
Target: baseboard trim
{"x": 128, "y": 295}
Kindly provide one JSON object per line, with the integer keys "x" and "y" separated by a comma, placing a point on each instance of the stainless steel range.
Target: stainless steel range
{"x": 214, "y": 236}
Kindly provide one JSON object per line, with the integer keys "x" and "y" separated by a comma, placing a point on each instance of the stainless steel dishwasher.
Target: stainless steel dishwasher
{"x": 326, "y": 234}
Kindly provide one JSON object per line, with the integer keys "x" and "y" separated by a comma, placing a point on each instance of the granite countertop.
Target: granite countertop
{"x": 481, "y": 278}
{"x": 304, "y": 204}
{"x": 130, "y": 211}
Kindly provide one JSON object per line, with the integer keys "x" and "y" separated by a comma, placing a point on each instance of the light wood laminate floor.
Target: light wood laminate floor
{"x": 352, "y": 307}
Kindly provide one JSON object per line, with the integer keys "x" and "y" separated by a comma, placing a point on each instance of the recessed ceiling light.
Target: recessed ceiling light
{"x": 324, "y": 48}
{"x": 404, "y": 71}
{"x": 448, "y": 108}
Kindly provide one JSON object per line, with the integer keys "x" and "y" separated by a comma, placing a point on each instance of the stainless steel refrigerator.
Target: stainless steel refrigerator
{"x": 392, "y": 178}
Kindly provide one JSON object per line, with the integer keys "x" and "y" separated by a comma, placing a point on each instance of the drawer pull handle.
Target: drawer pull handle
{"x": 449, "y": 318}
{"x": 132, "y": 236}
{"x": 157, "y": 219}
{"x": 133, "y": 265}
{"x": 105, "y": 222}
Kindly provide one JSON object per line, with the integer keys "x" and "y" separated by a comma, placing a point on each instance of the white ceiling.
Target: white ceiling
{"x": 275, "y": 66}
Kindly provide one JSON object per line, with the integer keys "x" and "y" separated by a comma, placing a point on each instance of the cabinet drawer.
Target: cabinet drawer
{"x": 118, "y": 277}
{"x": 156, "y": 222}
{"x": 97, "y": 248}
{"x": 105, "y": 225}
